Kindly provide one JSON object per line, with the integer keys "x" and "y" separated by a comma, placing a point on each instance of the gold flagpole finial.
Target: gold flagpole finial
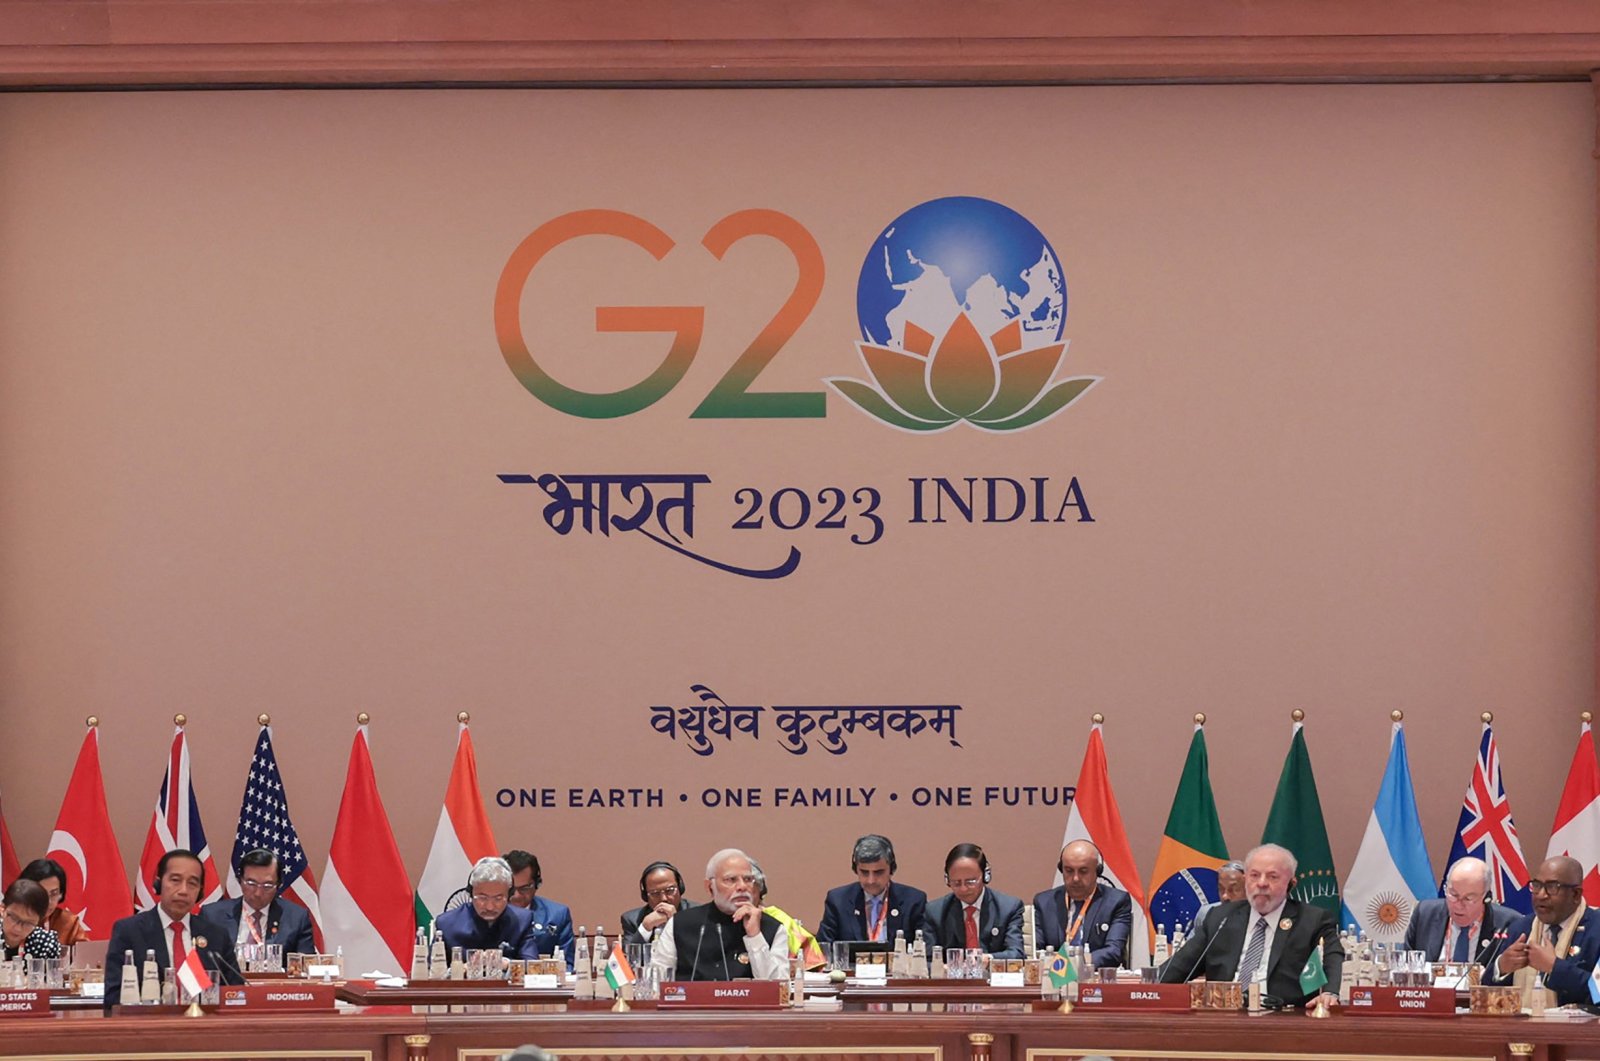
{"x": 180, "y": 720}
{"x": 92, "y": 721}
{"x": 1097, "y": 718}
{"x": 1298, "y": 715}
{"x": 1587, "y": 716}
{"x": 1199, "y": 718}
{"x": 363, "y": 718}
{"x": 1486, "y": 718}
{"x": 263, "y": 719}
{"x": 1396, "y": 715}
{"x": 463, "y": 718}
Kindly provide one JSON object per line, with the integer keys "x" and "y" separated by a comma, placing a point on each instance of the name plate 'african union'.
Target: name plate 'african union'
{"x": 1423, "y": 1001}
{"x": 724, "y": 994}
{"x": 1149, "y": 998}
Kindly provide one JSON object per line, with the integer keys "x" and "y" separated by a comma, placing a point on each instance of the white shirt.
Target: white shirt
{"x": 166, "y": 933}
{"x": 246, "y": 935}
{"x": 1273, "y": 916}
{"x": 766, "y": 963}
{"x": 1451, "y": 931}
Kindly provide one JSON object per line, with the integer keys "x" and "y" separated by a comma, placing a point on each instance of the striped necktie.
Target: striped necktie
{"x": 1253, "y": 952}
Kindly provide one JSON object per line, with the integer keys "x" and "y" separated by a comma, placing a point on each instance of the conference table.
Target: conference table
{"x": 906, "y": 1023}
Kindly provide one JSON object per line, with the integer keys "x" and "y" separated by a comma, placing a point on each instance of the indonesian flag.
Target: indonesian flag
{"x": 463, "y": 835}
{"x": 192, "y": 976}
{"x": 1096, "y": 818}
{"x": 365, "y": 895}
{"x": 619, "y": 970}
{"x": 174, "y": 825}
{"x": 1577, "y": 828}
{"x": 87, "y": 848}
{"x": 9, "y": 866}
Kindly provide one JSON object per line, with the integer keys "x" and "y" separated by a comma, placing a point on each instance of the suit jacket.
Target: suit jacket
{"x": 142, "y": 932}
{"x": 632, "y": 918}
{"x": 999, "y": 924}
{"x": 1291, "y": 947}
{"x": 287, "y": 924}
{"x": 511, "y": 933}
{"x": 1105, "y": 927}
{"x": 844, "y": 912}
{"x": 552, "y": 928}
{"x": 1569, "y": 977}
{"x": 1428, "y": 926}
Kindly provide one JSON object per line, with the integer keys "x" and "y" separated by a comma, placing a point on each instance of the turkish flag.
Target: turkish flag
{"x": 9, "y": 866}
{"x": 96, "y": 884}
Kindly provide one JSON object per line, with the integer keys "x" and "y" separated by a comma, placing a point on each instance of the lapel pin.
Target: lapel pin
{"x": 994, "y": 932}
{"x": 200, "y": 942}
{"x": 894, "y": 913}
{"x": 1285, "y": 925}
{"x": 1572, "y": 951}
{"x": 858, "y": 913}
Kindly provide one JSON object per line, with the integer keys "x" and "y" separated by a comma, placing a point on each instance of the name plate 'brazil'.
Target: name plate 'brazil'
{"x": 1156, "y": 998}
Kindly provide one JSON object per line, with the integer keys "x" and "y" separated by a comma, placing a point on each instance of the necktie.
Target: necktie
{"x": 873, "y": 927}
{"x": 1253, "y": 952}
{"x": 256, "y": 919}
{"x": 179, "y": 952}
{"x": 972, "y": 928}
{"x": 1460, "y": 952}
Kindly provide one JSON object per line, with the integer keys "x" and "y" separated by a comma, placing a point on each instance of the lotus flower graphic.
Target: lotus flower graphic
{"x": 962, "y": 307}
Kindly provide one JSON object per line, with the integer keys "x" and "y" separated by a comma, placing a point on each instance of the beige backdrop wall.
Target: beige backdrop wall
{"x": 252, "y": 411}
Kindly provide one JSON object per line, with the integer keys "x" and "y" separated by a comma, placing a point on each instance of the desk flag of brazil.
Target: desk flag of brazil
{"x": 1296, "y": 822}
{"x": 1192, "y": 848}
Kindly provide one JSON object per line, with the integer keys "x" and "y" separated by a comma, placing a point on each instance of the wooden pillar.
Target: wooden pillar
{"x": 417, "y": 1047}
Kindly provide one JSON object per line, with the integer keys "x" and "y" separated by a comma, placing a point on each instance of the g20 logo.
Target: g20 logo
{"x": 960, "y": 301}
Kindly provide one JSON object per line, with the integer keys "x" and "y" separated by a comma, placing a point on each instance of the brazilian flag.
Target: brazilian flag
{"x": 1192, "y": 848}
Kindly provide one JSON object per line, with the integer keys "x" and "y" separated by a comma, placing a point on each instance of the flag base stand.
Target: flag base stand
{"x": 1320, "y": 1010}
{"x": 621, "y": 1006}
{"x": 1065, "y": 1007}
{"x": 194, "y": 1009}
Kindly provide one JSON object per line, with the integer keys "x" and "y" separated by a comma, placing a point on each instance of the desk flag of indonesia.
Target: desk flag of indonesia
{"x": 192, "y": 976}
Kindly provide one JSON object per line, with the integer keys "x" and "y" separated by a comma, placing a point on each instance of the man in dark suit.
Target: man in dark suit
{"x": 661, "y": 888}
{"x": 1084, "y": 911}
{"x": 488, "y": 921}
{"x": 973, "y": 915}
{"x": 1264, "y": 938}
{"x": 876, "y": 906}
{"x": 1559, "y": 940}
{"x": 172, "y": 928}
{"x": 1465, "y": 925}
{"x": 260, "y": 916}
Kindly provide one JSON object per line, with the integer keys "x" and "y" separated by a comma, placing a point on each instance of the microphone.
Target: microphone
{"x": 694, "y": 963}
{"x": 1490, "y": 958}
{"x": 1198, "y": 962}
{"x": 217, "y": 954}
{"x": 722, "y": 950}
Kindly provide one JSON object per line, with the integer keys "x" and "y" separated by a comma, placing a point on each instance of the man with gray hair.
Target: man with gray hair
{"x": 487, "y": 922}
{"x": 1230, "y": 886}
{"x": 1265, "y": 938}
{"x": 1464, "y": 925}
{"x": 875, "y": 906}
{"x": 729, "y": 938}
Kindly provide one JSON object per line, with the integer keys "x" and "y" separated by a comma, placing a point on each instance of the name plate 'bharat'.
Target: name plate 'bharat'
{"x": 28, "y": 1003}
{"x": 720, "y": 994}
{"x": 280, "y": 997}
{"x": 1149, "y": 998}
{"x": 1424, "y": 1001}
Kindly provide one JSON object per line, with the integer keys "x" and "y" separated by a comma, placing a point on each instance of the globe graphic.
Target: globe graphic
{"x": 957, "y": 255}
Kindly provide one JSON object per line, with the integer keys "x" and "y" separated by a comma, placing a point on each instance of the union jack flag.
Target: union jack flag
{"x": 264, "y": 823}
{"x": 1486, "y": 830}
{"x": 176, "y": 824}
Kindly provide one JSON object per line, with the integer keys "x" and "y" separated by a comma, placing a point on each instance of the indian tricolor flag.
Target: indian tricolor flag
{"x": 365, "y": 896}
{"x": 1095, "y": 817}
{"x": 462, "y": 838}
{"x": 618, "y": 970}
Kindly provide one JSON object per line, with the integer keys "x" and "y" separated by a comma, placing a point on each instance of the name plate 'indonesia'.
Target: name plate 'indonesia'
{"x": 28, "y": 1003}
{"x": 1423, "y": 1001}
{"x": 1152, "y": 998}
{"x": 721, "y": 994}
{"x": 278, "y": 997}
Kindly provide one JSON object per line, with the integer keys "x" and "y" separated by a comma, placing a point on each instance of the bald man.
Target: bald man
{"x": 1560, "y": 939}
{"x": 1084, "y": 909}
{"x": 1464, "y": 925}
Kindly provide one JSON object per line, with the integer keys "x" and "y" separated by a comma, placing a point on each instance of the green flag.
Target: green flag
{"x": 1295, "y": 822}
{"x": 1312, "y": 978}
{"x": 1061, "y": 970}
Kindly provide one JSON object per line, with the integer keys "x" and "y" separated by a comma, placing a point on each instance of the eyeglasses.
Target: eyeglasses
{"x": 971, "y": 882}
{"x": 1552, "y": 886}
{"x": 524, "y": 889}
{"x": 1451, "y": 893}
{"x": 489, "y": 900}
{"x": 662, "y": 893}
{"x": 16, "y": 922}
{"x": 258, "y": 885}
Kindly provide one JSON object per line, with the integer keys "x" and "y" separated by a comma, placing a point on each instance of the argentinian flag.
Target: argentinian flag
{"x": 1392, "y": 871}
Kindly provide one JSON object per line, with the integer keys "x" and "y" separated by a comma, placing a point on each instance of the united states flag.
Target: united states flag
{"x": 1486, "y": 830}
{"x": 264, "y": 823}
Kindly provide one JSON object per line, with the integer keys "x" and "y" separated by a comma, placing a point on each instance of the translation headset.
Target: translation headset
{"x": 961, "y": 851}
{"x": 644, "y": 896}
{"x": 888, "y": 853}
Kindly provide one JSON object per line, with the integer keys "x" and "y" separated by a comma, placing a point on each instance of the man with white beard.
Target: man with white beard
{"x": 729, "y": 938}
